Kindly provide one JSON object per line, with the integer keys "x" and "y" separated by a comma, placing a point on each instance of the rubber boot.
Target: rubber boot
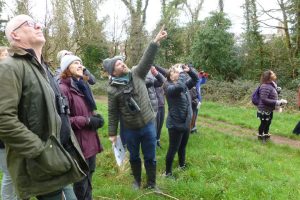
{"x": 151, "y": 176}
{"x": 136, "y": 169}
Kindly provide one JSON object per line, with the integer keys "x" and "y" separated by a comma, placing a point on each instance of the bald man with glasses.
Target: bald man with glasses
{"x": 33, "y": 119}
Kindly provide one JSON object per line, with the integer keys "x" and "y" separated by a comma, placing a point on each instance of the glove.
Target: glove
{"x": 96, "y": 122}
{"x": 282, "y": 102}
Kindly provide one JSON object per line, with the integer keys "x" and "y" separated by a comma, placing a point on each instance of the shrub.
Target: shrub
{"x": 239, "y": 93}
{"x": 100, "y": 87}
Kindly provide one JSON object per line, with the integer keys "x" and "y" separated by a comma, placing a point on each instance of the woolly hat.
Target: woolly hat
{"x": 62, "y": 53}
{"x": 109, "y": 64}
{"x": 67, "y": 60}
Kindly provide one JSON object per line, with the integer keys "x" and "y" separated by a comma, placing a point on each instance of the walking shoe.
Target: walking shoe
{"x": 158, "y": 144}
{"x": 267, "y": 136}
{"x": 168, "y": 175}
{"x": 183, "y": 167}
{"x": 194, "y": 130}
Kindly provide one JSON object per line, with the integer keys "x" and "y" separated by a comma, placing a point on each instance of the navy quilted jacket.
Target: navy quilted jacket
{"x": 268, "y": 97}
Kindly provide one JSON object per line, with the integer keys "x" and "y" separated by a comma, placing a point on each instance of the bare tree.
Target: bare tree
{"x": 288, "y": 8}
{"x": 221, "y": 5}
{"x": 22, "y": 7}
{"x": 136, "y": 41}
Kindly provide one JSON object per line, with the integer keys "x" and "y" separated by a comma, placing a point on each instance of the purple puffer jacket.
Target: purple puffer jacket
{"x": 268, "y": 97}
{"x": 79, "y": 112}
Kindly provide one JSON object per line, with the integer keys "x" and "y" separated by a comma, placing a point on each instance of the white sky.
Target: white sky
{"x": 116, "y": 9}
{"x": 232, "y": 7}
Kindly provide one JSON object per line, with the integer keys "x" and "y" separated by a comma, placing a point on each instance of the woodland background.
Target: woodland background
{"x": 233, "y": 61}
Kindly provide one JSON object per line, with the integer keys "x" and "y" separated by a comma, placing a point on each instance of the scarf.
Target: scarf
{"x": 123, "y": 80}
{"x": 86, "y": 91}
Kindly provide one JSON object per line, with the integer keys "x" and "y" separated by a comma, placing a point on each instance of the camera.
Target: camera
{"x": 130, "y": 102}
{"x": 62, "y": 105}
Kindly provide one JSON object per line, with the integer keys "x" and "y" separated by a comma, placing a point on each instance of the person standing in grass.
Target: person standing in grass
{"x": 179, "y": 112}
{"x": 7, "y": 187}
{"x": 154, "y": 80}
{"x": 128, "y": 99}
{"x": 30, "y": 120}
{"x": 268, "y": 102}
{"x": 197, "y": 100}
{"x": 84, "y": 120}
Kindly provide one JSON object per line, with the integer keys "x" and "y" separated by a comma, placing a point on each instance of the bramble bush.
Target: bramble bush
{"x": 239, "y": 93}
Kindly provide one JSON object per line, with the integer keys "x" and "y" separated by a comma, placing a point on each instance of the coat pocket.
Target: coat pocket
{"x": 53, "y": 161}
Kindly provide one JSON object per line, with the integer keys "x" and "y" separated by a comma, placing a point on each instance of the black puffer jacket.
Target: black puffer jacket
{"x": 153, "y": 82}
{"x": 179, "y": 101}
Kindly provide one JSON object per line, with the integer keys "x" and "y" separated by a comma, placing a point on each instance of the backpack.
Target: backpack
{"x": 255, "y": 96}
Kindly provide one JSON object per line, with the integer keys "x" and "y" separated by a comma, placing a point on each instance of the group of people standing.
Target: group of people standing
{"x": 49, "y": 123}
{"x": 136, "y": 104}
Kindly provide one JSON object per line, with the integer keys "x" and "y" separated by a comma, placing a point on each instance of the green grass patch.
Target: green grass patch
{"x": 220, "y": 166}
{"x": 282, "y": 123}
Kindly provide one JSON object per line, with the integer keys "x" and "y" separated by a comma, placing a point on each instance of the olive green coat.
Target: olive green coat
{"x": 29, "y": 126}
{"x": 116, "y": 102}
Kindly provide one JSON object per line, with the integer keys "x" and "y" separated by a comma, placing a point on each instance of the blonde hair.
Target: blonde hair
{"x": 173, "y": 69}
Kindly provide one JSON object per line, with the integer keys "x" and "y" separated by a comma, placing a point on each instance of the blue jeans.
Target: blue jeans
{"x": 144, "y": 137}
{"x": 69, "y": 193}
{"x": 7, "y": 187}
{"x": 65, "y": 193}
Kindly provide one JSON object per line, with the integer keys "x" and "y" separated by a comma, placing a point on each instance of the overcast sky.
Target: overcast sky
{"x": 116, "y": 9}
{"x": 232, "y": 7}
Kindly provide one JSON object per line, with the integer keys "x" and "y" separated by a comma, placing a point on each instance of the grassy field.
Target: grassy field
{"x": 220, "y": 166}
{"x": 282, "y": 124}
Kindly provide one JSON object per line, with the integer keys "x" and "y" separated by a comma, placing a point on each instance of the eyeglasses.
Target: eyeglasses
{"x": 32, "y": 24}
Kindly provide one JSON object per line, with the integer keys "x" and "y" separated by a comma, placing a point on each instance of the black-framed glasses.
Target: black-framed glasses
{"x": 29, "y": 23}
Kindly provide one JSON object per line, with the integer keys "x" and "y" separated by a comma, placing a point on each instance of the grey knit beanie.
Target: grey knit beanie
{"x": 67, "y": 60}
{"x": 62, "y": 53}
{"x": 109, "y": 64}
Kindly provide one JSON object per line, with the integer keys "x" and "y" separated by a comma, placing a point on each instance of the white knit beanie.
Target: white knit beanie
{"x": 67, "y": 60}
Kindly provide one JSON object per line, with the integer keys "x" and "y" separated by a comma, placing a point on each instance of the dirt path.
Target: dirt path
{"x": 236, "y": 130}
{"x": 231, "y": 129}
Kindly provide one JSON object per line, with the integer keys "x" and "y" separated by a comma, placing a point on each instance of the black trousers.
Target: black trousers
{"x": 178, "y": 140}
{"x": 265, "y": 122}
{"x": 160, "y": 117}
{"x": 83, "y": 188}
